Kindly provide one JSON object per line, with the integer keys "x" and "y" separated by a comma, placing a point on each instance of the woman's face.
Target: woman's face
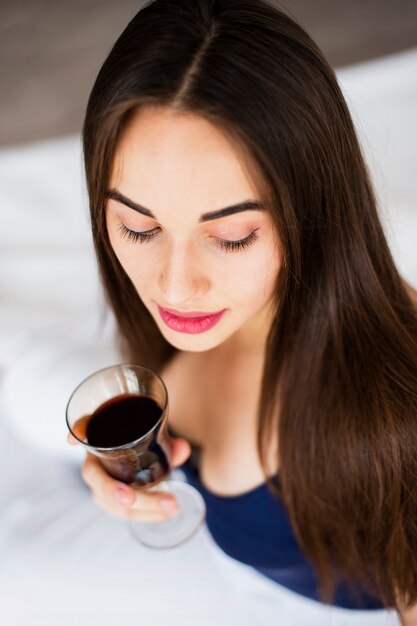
{"x": 173, "y": 177}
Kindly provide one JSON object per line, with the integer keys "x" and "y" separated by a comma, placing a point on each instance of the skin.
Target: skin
{"x": 180, "y": 167}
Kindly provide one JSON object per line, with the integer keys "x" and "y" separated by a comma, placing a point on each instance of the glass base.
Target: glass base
{"x": 175, "y": 531}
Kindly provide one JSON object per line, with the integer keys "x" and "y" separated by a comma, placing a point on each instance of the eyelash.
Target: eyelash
{"x": 227, "y": 246}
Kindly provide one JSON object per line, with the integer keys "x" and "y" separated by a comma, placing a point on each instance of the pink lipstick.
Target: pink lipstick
{"x": 190, "y": 322}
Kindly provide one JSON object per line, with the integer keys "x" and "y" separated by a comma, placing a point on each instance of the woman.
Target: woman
{"x": 240, "y": 248}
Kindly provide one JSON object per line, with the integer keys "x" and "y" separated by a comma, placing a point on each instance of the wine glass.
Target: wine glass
{"x": 119, "y": 414}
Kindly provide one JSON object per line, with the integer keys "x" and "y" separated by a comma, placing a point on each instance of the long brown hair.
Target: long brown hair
{"x": 341, "y": 354}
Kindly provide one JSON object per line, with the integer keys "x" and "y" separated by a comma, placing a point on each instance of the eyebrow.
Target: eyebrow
{"x": 247, "y": 205}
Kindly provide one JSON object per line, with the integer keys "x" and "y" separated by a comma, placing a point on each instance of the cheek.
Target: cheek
{"x": 251, "y": 278}
{"x": 137, "y": 266}
{"x": 141, "y": 272}
{"x": 120, "y": 250}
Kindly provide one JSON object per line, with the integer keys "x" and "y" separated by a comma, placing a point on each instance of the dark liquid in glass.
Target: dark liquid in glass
{"x": 120, "y": 421}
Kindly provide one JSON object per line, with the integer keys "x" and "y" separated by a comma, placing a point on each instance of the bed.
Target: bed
{"x": 63, "y": 560}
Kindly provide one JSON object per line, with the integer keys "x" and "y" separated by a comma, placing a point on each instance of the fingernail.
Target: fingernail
{"x": 123, "y": 497}
{"x": 169, "y": 503}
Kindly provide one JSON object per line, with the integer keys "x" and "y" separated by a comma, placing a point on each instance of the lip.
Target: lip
{"x": 190, "y": 322}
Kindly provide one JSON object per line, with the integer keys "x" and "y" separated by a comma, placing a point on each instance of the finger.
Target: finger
{"x": 180, "y": 451}
{"x": 79, "y": 428}
{"x": 96, "y": 477}
{"x": 72, "y": 440}
{"x": 104, "y": 486}
{"x": 152, "y": 515}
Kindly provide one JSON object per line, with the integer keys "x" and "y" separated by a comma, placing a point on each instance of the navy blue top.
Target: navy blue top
{"x": 254, "y": 529}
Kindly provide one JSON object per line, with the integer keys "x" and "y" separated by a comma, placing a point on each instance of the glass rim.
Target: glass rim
{"x": 124, "y": 446}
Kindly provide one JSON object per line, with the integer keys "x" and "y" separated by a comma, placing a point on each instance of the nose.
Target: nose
{"x": 182, "y": 279}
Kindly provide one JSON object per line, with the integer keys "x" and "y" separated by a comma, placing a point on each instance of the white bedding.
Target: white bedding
{"x": 62, "y": 560}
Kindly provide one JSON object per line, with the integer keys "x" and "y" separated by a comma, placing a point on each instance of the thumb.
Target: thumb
{"x": 71, "y": 439}
{"x": 180, "y": 451}
{"x": 79, "y": 429}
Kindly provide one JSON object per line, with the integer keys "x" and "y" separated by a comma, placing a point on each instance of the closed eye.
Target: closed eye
{"x": 241, "y": 244}
{"x": 224, "y": 244}
{"x": 134, "y": 236}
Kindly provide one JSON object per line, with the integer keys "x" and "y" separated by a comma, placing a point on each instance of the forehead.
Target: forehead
{"x": 166, "y": 159}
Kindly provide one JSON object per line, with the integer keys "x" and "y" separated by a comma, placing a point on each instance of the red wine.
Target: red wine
{"x": 122, "y": 421}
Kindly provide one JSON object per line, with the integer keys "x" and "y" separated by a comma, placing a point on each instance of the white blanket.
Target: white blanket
{"x": 63, "y": 561}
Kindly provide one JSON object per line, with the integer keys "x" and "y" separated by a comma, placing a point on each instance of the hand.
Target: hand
{"x": 120, "y": 499}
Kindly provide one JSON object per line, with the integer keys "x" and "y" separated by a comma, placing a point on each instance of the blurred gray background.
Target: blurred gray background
{"x": 51, "y": 51}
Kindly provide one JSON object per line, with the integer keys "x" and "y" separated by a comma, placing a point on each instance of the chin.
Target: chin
{"x": 200, "y": 342}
